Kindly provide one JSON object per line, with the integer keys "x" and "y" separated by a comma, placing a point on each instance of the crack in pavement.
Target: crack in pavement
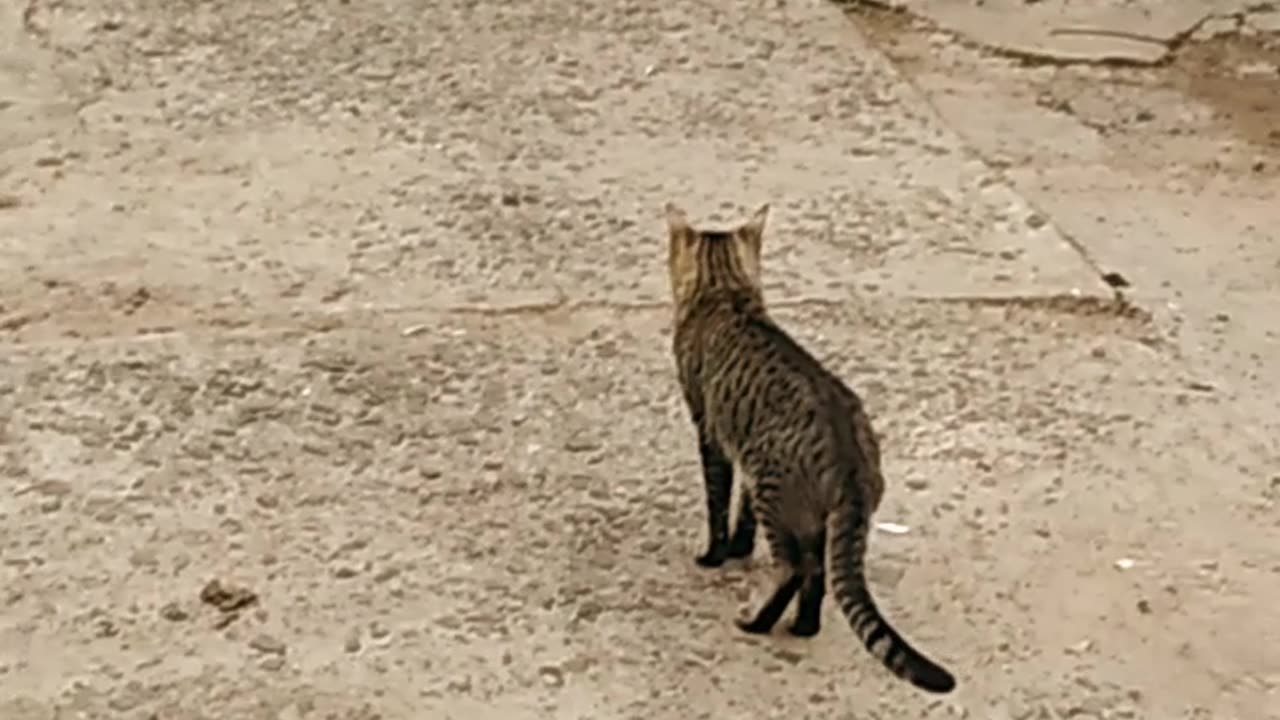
{"x": 1119, "y": 308}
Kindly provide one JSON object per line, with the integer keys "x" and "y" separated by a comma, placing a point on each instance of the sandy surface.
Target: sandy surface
{"x": 334, "y": 373}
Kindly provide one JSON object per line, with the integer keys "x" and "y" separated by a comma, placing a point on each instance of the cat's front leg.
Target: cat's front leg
{"x": 717, "y": 477}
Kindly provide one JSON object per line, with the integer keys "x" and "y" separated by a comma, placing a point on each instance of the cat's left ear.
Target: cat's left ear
{"x": 677, "y": 220}
{"x": 754, "y": 228}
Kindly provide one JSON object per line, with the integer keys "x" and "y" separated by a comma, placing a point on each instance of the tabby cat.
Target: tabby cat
{"x": 761, "y": 402}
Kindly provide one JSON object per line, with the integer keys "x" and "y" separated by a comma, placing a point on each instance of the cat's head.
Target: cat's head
{"x": 699, "y": 260}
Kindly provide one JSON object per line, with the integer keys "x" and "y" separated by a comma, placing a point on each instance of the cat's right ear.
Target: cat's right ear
{"x": 754, "y": 228}
{"x": 677, "y": 220}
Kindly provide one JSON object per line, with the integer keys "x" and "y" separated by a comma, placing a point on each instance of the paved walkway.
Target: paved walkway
{"x": 360, "y": 308}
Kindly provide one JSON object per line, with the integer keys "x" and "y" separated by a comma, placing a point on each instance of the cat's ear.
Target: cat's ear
{"x": 754, "y": 228}
{"x": 677, "y": 220}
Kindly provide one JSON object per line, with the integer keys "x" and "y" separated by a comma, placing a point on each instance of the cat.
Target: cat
{"x": 760, "y": 401}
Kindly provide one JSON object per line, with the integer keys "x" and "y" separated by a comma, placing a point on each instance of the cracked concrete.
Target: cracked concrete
{"x": 1113, "y": 32}
{"x": 359, "y": 309}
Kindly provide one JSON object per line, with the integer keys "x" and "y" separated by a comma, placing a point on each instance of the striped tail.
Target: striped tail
{"x": 846, "y": 546}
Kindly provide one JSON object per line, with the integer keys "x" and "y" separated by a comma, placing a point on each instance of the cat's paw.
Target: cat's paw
{"x": 713, "y": 558}
{"x": 753, "y": 626}
{"x": 803, "y": 629}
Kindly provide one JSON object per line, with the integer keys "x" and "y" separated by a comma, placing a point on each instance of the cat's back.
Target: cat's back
{"x": 743, "y": 348}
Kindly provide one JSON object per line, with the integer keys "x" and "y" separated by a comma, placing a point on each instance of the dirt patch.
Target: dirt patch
{"x": 1239, "y": 76}
{"x": 1223, "y": 81}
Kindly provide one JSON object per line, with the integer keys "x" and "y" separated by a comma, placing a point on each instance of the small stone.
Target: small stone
{"x": 352, "y": 643}
{"x": 790, "y": 657}
{"x": 224, "y": 620}
{"x": 917, "y": 484}
{"x": 588, "y": 611}
{"x": 1081, "y": 647}
{"x": 345, "y": 572}
{"x": 379, "y": 631}
{"x": 580, "y": 445}
{"x": 227, "y": 598}
{"x": 173, "y": 612}
{"x": 268, "y": 645}
{"x": 1144, "y": 607}
{"x": 107, "y": 628}
{"x": 551, "y": 676}
{"x": 1035, "y": 221}
{"x": 1115, "y": 279}
{"x": 272, "y": 664}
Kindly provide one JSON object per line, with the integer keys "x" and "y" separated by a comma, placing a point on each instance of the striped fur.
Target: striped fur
{"x": 762, "y": 403}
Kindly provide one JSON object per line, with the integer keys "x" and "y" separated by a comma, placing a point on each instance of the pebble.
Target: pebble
{"x": 352, "y": 643}
{"x": 227, "y": 598}
{"x": 580, "y": 445}
{"x": 173, "y": 612}
{"x": 790, "y": 657}
{"x": 268, "y": 645}
{"x": 551, "y": 676}
{"x": 1081, "y": 647}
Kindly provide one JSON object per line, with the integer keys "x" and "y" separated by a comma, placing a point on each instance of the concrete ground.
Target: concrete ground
{"x": 334, "y": 373}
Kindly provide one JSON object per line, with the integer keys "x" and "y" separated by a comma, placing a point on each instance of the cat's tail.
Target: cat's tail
{"x": 846, "y": 547}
